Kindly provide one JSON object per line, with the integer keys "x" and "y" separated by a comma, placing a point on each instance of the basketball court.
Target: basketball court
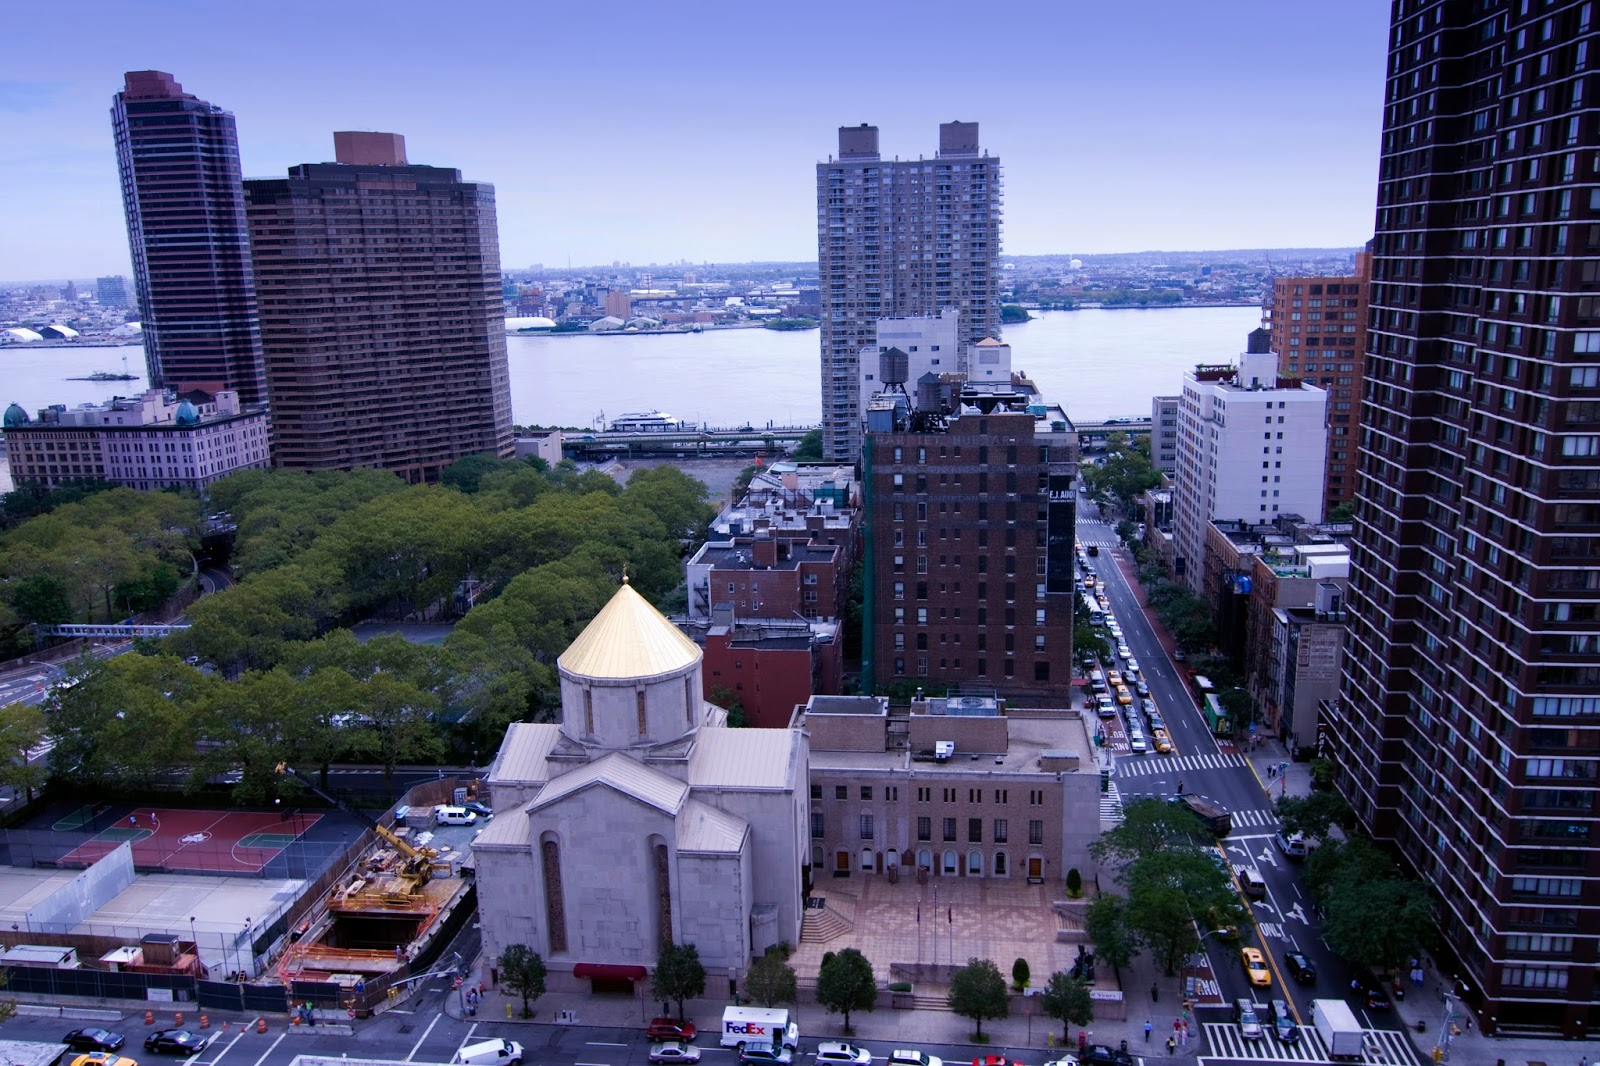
{"x": 162, "y": 838}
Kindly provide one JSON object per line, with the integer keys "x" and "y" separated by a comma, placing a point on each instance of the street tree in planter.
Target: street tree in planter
{"x": 845, "y": 983}
{"x": 772, "y": 980}
{"x": 1019, "y": 974}
{"x": 678, "y": 975}
{"x": 978, "y": 991}
{"x": 522, "y": 971}
{"x": 1066, "y": 999}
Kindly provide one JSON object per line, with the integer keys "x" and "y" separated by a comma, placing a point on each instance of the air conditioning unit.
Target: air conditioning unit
{"x": 943, "y": 749}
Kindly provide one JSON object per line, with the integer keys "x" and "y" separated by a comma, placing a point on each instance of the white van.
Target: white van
{"x": 1251, "y": 882}
{"x": 490, "y": 1053}
{"x": 447, "y": 815}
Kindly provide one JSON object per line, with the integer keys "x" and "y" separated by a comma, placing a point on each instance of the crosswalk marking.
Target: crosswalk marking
{"x": 1384, "y": 1047}
{"x": 1178, "y": 764}
{"x": 1111, "y": 805}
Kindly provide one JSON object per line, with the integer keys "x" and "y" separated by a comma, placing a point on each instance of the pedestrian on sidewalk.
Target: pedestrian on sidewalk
{"x": 1147, "y": 1028}
{"x": 1172, "y": 1046}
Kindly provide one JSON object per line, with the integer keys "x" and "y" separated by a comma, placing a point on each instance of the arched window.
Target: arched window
{"x": 688, "y": 701}
{"x": 999, "y": 864}
{"x": 952, "y": 863}
{"x": 662, "y": 862}
{"x": 588, "y": 713}
{"x": 974, "y": 863}
{"x": 817, "y": 858}
{"x": 644, "y": 724}
{"x": 868, "y": 859}
{"x": 925, "y": 859}
{"x": 892, "y": 859}
{"x": 554, "y": 905}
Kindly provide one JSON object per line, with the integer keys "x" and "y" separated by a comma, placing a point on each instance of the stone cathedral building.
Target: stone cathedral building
{"x": 640, "y": 817}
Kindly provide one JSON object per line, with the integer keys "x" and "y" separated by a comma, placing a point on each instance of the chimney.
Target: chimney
{"x": 361, "y": 148}
{"x": 858, "y": 142}
{"x": 764, "y": 551}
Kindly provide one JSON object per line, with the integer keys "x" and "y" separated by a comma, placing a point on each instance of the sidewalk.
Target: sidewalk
{"x": 1024, "y": 1030}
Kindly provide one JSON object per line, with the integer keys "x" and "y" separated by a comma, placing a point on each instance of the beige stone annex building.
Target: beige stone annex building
{"x": 640, "y": 818}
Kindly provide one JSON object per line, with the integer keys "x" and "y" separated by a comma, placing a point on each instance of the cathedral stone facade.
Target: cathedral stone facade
{"x": 641, "y": 818}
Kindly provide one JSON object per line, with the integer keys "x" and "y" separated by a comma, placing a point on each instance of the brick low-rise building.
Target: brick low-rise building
{"x": 959, "y": 787}
{"x": 155, "y": 441}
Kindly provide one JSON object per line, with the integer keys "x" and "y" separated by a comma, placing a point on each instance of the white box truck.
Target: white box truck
{"x": 1336, "y": 1024}
{"x": 759, "y": 1026}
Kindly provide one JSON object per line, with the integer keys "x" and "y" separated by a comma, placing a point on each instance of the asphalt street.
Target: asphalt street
{"x": 1216, "y": 770}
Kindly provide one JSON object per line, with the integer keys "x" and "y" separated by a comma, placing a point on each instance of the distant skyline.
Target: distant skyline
{"x": 643, "y": 133}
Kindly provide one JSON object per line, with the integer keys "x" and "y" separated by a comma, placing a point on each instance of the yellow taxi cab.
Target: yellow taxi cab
{"x": 1124, "y": 697}
{"x": 1114, "y": 678}
{"x": 1163, "y": 743}
{"x": 103, "y": 1058}
{"x": 1255, "y": 967}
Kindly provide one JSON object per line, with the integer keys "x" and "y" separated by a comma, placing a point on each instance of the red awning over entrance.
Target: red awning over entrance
{"x": 601, "y": 971}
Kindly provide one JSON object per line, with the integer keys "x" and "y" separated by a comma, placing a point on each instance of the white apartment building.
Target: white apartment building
{"x": 898, "y": 238}
{"x": 1250, "y": 447}
{"x": 155, "y": 441}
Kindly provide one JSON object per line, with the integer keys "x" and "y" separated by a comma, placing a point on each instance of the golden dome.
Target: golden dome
{"x": 628, "y": 639}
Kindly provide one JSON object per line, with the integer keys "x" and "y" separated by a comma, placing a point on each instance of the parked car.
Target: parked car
{"x": 664, "y": 1029}
{"x": 1255, "y": 967}
{"x": 1133, "y": 666}
{"x": 1104, "y": 1055}
{"x": 1244, "y": 1012}
{"x": 1300, "y": 968}
{"x": 175, "y": 1042}
{"x": 765, "y": 1055}
{"x": 1371, "y": 994}
{"x": 1293, "y": 845}
{"x": 1178, "y": 656}
{"x": 913, "y": 1057}
{"x": 480, "y": 809}
{"x": 674, "y": 1051}
{"x": 994, "y": 1060}
{"x": 837, "y": 1051}
{"x": 94, "y": 1040}
{"x": 102, "y": 1058}
{"x": 1137, "y": 743}
{"x": 1283, "y": 1023}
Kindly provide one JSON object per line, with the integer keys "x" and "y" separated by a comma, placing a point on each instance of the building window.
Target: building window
{"x": 644, "y": 725}
{"x": 975, "y": 830}
{"x": 866, "y": 827}
{"x": 841, "y": 792}
{"x": 1002, "y": 830}
{"x": 999, "y": 864}
{"x": 924, "y": 828}
{"x": 866, "y": 792}
{"x": 816, "y": 792}
{"x": 1035, "y": 832}
{"x": 816, "y": 825}
{"x": 949, "y": 828}
{"x": 588, "y": 712}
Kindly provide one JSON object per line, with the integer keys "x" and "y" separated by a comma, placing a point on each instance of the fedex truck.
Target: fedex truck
{"x": 759, "y": 1026}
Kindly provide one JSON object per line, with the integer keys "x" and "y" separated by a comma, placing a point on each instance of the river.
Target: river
{"x": 1099, "y": 363}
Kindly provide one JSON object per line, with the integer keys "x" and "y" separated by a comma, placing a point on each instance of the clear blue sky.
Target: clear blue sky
{"x": 654, "y": 132}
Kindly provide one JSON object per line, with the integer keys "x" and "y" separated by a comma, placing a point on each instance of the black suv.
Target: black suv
{"x": 1104, "y": 1055}
{"x": 1370, "y": 993}
{"x": 1300, "y": 968}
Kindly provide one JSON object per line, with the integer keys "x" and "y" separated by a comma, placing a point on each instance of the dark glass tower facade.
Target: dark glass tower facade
{"x": 1468, "y": 734}
{"x": 178, "y": 160}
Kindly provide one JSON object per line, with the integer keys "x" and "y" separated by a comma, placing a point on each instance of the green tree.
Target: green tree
{"x": 43, "y": 597}
{"x": 22, "y": 727}
{"x": 1019, "y": 974}
{"x": 1373, "y": 915}
{"x": 678, "y": 975}
{"x": 978, "y": 991}
{"x": 1106, "y": 923}
{"x": 523, "y": 973}
{"x": 1066, "y": 999}
{"x": 845, "y": 983}
{"x": 467, "y": 473}
{"x": 1313, "y": 815}
{"x": 1012, "y": 314}
{"x": 809, "y": 450}
{"x": 772, "y": 980}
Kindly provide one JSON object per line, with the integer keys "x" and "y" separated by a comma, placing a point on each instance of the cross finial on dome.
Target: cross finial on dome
{"x": 624, "y": 573}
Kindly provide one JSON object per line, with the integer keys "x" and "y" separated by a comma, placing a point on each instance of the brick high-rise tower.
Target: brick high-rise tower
{"x": 178, "y": 158}
{"x": 381, "y": 313}
{"x": 1468, "y": 731}
{"x": 896, "y": 239}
